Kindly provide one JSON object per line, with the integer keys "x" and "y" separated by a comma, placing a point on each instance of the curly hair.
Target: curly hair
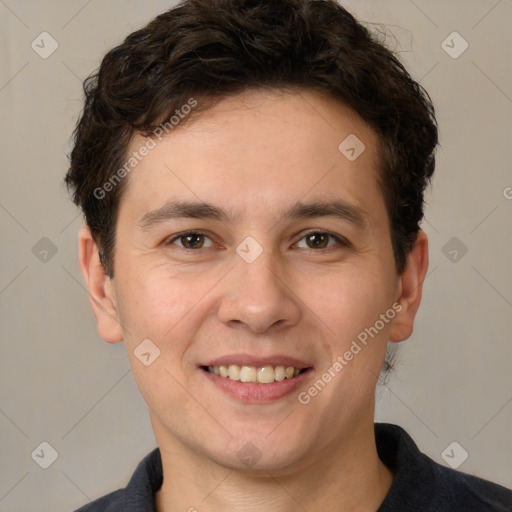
{"x": 211, "y": 49}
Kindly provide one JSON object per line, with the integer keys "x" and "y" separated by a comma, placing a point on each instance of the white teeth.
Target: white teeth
{"x": 279, "y": 373}
{"x": 234, "y": 372}
{"x": 248, "y": 374}
{"x": 252, "y": 374}
{"x": 266, "y": 375}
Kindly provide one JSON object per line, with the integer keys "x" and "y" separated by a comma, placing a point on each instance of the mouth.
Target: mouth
{"x": 255, "y": 375}
{"x": 256, "y": 380}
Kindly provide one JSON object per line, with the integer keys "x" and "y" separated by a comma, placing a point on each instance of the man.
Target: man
{"x": 252, "y": 177}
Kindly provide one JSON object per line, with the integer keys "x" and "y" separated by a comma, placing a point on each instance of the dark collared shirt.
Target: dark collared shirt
{"x": 420, "y": 484}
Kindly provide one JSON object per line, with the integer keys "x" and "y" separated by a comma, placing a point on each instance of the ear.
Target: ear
{"x": 100, "y": 288}
{"x": 411, "y": 286}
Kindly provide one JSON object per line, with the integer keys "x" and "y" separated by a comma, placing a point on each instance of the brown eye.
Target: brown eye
{"x": 320, "y": 240}
{"x": 191, "y": 240}
{"x": 317, "y": 240}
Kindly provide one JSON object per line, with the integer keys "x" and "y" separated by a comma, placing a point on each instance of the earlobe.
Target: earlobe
{"x": 99, "y": 286}
{"x": 411, "y": 286}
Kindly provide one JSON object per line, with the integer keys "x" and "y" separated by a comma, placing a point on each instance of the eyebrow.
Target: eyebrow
{"x": 338, "y": 209}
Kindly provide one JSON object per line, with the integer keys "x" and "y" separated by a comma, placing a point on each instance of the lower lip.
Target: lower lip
{"x": 256, "y": 393}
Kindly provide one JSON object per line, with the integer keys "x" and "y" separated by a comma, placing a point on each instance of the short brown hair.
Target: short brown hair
{"x": 210, "y": 49}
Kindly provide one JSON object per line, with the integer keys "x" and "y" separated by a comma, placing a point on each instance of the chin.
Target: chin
{"x": 256, "y": 454}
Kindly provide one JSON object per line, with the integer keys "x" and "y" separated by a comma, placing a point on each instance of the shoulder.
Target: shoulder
{"x": 113, "y": 502}
{"x": 138, "y": 495}
{"x": 461, "y": 491}
{"x": 420, "y": 483}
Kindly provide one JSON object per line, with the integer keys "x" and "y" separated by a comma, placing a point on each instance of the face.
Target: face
{"x": 247, "y": 238}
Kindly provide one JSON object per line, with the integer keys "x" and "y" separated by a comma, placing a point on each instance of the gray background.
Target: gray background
{"x": 62, "y": 384}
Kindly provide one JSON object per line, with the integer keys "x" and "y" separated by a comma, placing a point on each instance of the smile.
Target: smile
{"x": 255, "y": 375}
{"x": 256, "y": 379}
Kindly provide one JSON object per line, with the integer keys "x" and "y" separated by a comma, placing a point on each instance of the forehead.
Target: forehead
{"x": 259, "y": 149}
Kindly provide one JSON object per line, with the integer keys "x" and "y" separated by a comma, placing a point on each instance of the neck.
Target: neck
{"x": 347, "y": 477}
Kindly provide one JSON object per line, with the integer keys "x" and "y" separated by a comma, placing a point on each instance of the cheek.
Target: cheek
{"x": 156, "y": 304}
{"x": 349, "y": 300}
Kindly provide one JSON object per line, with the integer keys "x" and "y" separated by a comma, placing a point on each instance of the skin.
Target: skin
{"x": 256, "y": 154}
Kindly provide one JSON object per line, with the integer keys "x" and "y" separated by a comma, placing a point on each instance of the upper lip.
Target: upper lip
{"x": 257, "y": 361}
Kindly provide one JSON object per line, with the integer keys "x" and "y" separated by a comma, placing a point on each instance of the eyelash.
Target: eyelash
{"x": 340, "y": 240}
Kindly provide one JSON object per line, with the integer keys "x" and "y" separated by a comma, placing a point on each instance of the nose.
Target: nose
{"x": 259, "y": 296}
